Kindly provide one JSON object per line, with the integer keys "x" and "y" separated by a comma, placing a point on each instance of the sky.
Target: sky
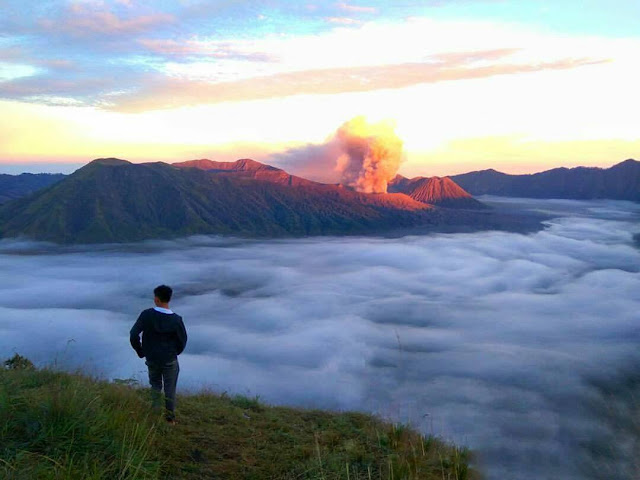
{"x": 523, "y": 347}
{"x": 520, "y": 86}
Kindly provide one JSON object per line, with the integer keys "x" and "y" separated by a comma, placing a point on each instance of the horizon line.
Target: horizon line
{"x": 83, "y": 164}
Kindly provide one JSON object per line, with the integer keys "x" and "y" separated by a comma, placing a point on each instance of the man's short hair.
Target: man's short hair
{"x": 163, "y": 293}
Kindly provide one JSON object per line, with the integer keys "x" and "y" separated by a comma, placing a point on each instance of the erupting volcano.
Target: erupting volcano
{"x": 370, "y": 155}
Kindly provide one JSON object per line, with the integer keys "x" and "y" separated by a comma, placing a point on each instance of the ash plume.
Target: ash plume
{"x": 362, "y": 155}
{"x": 370, "y": 154}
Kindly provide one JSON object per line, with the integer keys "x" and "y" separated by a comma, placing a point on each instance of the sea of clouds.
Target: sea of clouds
{"x": 496, "y": 340}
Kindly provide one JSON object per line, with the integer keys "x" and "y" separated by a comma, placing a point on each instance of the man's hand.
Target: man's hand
{"x": 134, "y": 337}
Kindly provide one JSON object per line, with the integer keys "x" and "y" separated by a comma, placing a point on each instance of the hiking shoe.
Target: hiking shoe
{"x": 171, "y": 420}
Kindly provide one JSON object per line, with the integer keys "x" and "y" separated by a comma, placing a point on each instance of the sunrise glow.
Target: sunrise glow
{"x": 468, "y": 85}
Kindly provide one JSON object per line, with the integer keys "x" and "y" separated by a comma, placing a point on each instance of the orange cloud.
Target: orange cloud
{"x": 457, "y": 58}
{"x": 173, "y": 92}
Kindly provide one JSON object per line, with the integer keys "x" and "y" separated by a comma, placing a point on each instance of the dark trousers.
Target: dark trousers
{"x": 164, "y": 374}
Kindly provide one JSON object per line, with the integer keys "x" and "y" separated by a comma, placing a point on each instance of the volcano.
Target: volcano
{"x": 250, "y": 169}
{"x": 440, "y": 191}
{"x": 112, "y": 200}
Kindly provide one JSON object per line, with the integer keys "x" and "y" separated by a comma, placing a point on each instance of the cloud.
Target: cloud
{"x": 88, "y": 20}
{"x": 343, "y": 20}
{"x": 173, "y": 92}
{"x": 198, "y": 48}
{"x": 356, "y": 8}
{"x": 235, "y": 60}
{"x": 495, "y": 337}
{"x": 63, "y": 83}
{"x": 11, "y": 53}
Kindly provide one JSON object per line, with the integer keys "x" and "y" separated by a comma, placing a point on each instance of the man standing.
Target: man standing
{"x": 163, "y": 339}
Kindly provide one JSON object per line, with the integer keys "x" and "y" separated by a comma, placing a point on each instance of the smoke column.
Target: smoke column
{"x": 370, "y": 154}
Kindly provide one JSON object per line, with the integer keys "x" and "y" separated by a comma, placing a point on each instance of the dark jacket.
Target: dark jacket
{"x": 163, "y": 336}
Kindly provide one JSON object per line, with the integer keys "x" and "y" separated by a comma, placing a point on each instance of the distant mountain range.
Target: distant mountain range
{"x": 16, "y": 186}
{"x": 112, "y": 200}
{"x": 620, "y": 182}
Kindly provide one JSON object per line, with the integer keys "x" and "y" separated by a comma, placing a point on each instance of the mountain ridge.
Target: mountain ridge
{"x": 618, "y": 182}
{"x": 479, "y": 182}
{"x": 111, "y": 200}
{"x": 249, "y": 168}
{"x": 16, "y": 186}
{"x": 242, "y": 164}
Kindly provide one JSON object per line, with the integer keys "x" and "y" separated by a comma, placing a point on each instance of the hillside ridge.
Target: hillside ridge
{"x": 62, "y": 425}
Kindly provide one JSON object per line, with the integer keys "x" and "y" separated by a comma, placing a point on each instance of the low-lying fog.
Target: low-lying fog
{"x": 499, "y": 341}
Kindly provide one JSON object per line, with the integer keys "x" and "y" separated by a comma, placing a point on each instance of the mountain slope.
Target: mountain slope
{"x": 247, "y": 168}
{"x": 620, "y": 182}
{"x": 442, "y": 192}
{"x": 16, "y": 186}
{"x": 111, "y": 200}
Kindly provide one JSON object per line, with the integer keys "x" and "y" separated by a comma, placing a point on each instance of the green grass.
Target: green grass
{"x": 55, "y": 425}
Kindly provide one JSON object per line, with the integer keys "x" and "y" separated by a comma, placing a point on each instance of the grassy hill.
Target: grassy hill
{"x": 56, "y": 425}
